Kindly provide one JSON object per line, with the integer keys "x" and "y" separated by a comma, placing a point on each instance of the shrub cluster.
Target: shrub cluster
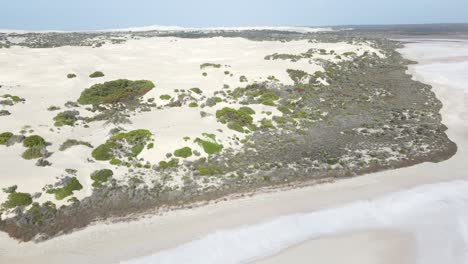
{"x": 184, "y": 152}
{"x": 115, "y": 91}
{"x": 73, "y": 142}
{"x": 129, "y": 144}
{"x": 100, "y": 177}
{"x": 72, "y": 185}
{"x": 96, "y": 74}
{"x": 15, "y": 199}
{"x": 235, "y": 119}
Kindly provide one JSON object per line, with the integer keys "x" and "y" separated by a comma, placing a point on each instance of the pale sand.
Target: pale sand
{"x": 365, "y": 247}
{"x": 103, "y": 243}
{"x": 39, "y": 76}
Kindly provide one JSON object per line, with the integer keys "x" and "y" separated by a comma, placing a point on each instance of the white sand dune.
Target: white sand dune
{"x": 111, "y": 243}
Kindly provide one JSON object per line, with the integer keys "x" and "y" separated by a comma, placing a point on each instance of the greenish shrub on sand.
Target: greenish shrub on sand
{"x": 66, "y": 118}
{"x": 33, "y": 153}
{"x": 100, "y": 177}
{"x": 165, "y": 97}
{"x": 73, "y": 142}
{"x": 235, "y": 119}
{"x": 209, "y": 144}
{"x": 134, "y": 140}
{"x": 53, "y": 108}
{"x": 34, "y": 141}
{"x": 184, "y": 152}
{"x": 213, "y": 65}
{"x": 172, "y": 163}
{"x": 96, "y": 74}
{"x": 72, "y": 185}
{"x": 4, "y": 137}
{"x": 208, "y": 170}
{"x": 193, "y": 104}
{"x": 72, "y": 75}
{"x": 17, "y": 199}
{"x": 196, "y": 90}
{"x": 115, "y": 91}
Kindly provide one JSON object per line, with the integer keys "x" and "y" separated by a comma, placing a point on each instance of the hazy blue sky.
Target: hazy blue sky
{"x": 101, "y": 14}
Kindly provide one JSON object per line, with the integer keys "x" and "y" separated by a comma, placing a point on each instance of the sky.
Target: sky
{"x": 106, "y": 14}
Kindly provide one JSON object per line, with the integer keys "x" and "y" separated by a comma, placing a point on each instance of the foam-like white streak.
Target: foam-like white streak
{"x": 436, "y": 214}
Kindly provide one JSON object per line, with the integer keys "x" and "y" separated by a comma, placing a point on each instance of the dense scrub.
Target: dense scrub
{"x": 123, "y": 145}
{"x": 115, "y": 91}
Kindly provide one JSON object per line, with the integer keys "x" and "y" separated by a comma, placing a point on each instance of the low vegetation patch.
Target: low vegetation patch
{"x": 34, "y": 141}
{"x": 115, "y": 91}
{"x": 73, "y": 142}
{"x": 100, "y": 177}
{"x": 123, "y": 144}
{"x": 4, "y": 137}
{"x": 16, "y": 199}
{"x": 235, "y": 119}
{"x": 184, "y": 152}
{"x": 66, "y": 118}
{"x": 72, "y": 75}
{"x": 209, "y": 144}
{"x": 96, "y": 74}
{"x": 210, "y": 65}
{"x": 72, "y": 185}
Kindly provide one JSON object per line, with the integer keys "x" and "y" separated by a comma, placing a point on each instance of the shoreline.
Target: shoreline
{"x": 97, "y": 243}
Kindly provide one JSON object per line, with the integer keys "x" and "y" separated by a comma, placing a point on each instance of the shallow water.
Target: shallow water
{"x": 436, "y": 214}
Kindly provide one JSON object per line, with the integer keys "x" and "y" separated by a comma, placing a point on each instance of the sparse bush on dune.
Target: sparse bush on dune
{"x": 235, "y": 119}
{"x": 16, "y": 199}
{"x": 209, "y": 144}
{"x": 123, "y": 144}
{"x": 66, "y": 118}
{"x": 165, "y": 97}
{"x": 193, "y": 104}
{"x": 71, "y": 75}
{"x": 100, "y": 177}
{"x": 196, "y": 90}
{"x": 208, "y": 65}
{"x": 96, "y": 74}
{"x": 72, "y": 185}
{"x": 73, "y": 142}
{"x": 33, "y": 153}
{"x": 183, "y": 152}
{"x": 115, "y": 91}
{"x": 172, "y": 163}
{"x": 4, "y": 137}
{"x": 34, "y": 141}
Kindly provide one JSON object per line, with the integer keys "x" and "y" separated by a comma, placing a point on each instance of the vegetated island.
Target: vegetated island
{"x": 360, "y": 113}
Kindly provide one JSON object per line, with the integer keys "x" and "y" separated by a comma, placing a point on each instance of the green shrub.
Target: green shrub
{"x": 213, "y": 65}
{"x": 53, "y": 108}
{"x": 67, "y": 118}
{"x": 135, "y": 140}
{"x": 165, "y": 97}
{"x": 205, "y": 74}
{"x": 297, "y": 75}
{"x": 34, "y": 141}
{"x": 247, "y": 110}
{"x": 115, "y": 91}
{"x": 243, "y": 79}
{"x": 193, "y": 104}
{"x": 208, "y": 170}
{"x": 17, "y": 199}
{"x": 196, "y": 90}
{"x": 183, "y": 152}
{"x": 169, "y": 164}
{"x": 235, "y": 119}
{"x": 265, "y": 123}
{"x": 115, "y": 162}
{"x": 4, "y": 137}
{"x": 103, "y": 152}
{"x": 100, "y": 177}
{"x": 67, "y": 190}
{"x": 150, "y": 145}
{"x": 72, "y": 75}
{"x": 209, "y": 144}
{"x": 32, "y": 153}
{"x": 96, "y": 74}
{"x": 73, "y": 142}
